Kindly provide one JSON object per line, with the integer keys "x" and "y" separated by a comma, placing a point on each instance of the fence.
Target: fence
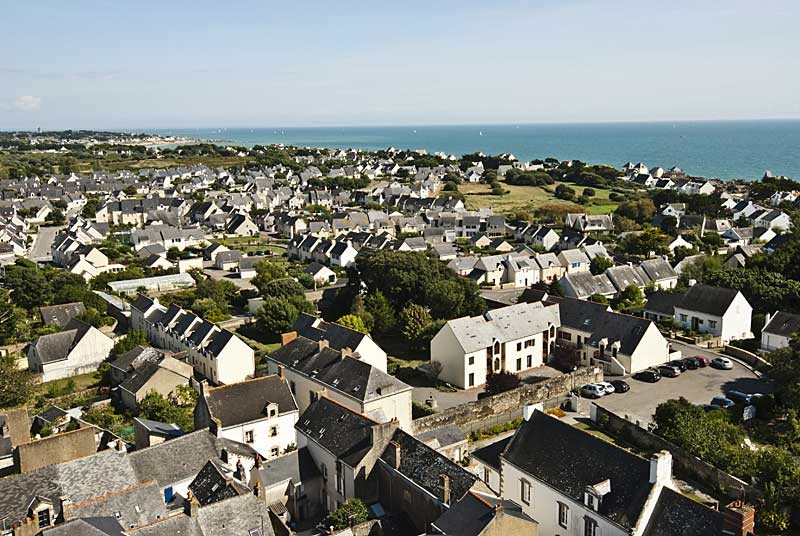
{"x": 504, "y": 407}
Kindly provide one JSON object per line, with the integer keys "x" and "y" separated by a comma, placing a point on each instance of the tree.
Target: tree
{"x": 266, "y": 272}
{"x": 648, "y": 242}
{"x": 28, "y": 284}
{"x": 278, "y": 315}
{"x": 353, "y": 322}
{"x": 8, "y": 318}
{"x": 629, "y": 299}
{"x": 134, "y": 338}
{"x": 599, "y": 298}
{"x": 554, "y": 289}
{"x": 102, "y": 416}
{"x": 16, "y": 386}
{"x": 381, "y": 311}
{"x": 669, "y": 225}
{"x": 56, "y": 217}
{"x": 599, "y": 264}
{"x": 639, "y": 210}
{"x": 500, "y": 382}
{"x": 565, "y": 192}
{"x": 413, "y": 321}
{"x": 589, "y": 192}
{"x": 352, "y": 512}
{"x": 177, "y": 408}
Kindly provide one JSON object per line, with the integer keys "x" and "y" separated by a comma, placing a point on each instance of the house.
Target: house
{"x": 574, "y": 260}
{"x": 340, "y": 337}
{"x": 321, "y": 274}
{"x": 721, "y": 312}
{"x": 227, "y": 260}
{"x": 484, "y": 514}
{"x": 624, "y": 276}
{"x": 80, "y": 348}
{"x": 60, "y": 315}
{"x": 550, "y": 267}
{"x": 778, "y": 330}
{"x": 680, "y": 242}
{"x": 314, "y": 368}
{"x": 241, "y": 225}
{"x": 514, "y": 338}
{"x": 480, "y": 241}
{"x": 150, "y": 433}
{"x": 215, "y": 353}
{"x": 246, "y": 267}
{"x": 660, "y": 305}
{"x": 592, "y": 335}
{"x": 157, "y": 262}
{"x": 260, "y": 413}
{"x": 585, "y": 223}
{"x": 660, "y": 273}
{"x": 343, "y": 254}
{"x": 500, "y": 245}
{"x": 571, "y": 482}
{"x": 582, "y": 285}
{"x": 143, "y": 370}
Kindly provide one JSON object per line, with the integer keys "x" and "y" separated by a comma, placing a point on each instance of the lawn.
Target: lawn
{"x": 531, "y": 197}
{"x": 249, "y": 244}
{"x": 66, "y": 386}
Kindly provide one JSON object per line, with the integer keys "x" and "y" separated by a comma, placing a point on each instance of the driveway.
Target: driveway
{"x": 40, "y": 250}
{"x": 697, "y": 386}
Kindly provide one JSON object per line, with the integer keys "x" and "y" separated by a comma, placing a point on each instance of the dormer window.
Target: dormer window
{"x": 590, "y": 500}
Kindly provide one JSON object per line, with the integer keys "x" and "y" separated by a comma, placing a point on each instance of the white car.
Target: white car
{"x": 592, "y": 390}
{"x": 607, "y": 387}
{"x": 722, "y": 363}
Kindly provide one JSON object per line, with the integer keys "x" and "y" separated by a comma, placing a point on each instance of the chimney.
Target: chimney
{"x": 394, "y": 452}
{"x": 191, "y": 506}
{"x": 239, "y": 470}
{"x": 66, "y": 503}
{"x": 738, "y": 519}
{"x": 529, "y": 409}
{"x": 322, "y": 343}
{"x": 445, "y": 489}
{"x": 281, "y": 371}
{"x": 661, "y": 467}
{"x": 286, "y": 338}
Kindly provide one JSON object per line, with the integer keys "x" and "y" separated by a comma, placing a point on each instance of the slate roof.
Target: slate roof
{"x": 212, "y": 485}
{"x": 137, "y": 357}
{"x": 584, "y": 284}
{"x": 677, "y": 514}
{"x": 490, "y": 454}
{"x": 346, "y": 374}
{"x": 87, "y": 526}
{"x": 706, "y": 299}
{"x": 160, "y": 428}
{"x": 443, "y": 436}
{"x": 474, "y": 513}
{"x": 60, "y": 315}
{"x": 783, "y": 324}
{"x": 343, "y": 433}
{"x": 662, "y": 302}
{"x": 137, "y": 505}
{"x": 338, "y": 336}
{"x": 570, "y": 460}
{"x": 658, "y": 269}
{"x": 239, "y": 403}
{"x": 297, "y": 466}
{"x": 57, "y": 346}
{"x": 424, "y": 466}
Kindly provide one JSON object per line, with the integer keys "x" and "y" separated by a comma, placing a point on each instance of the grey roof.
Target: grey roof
{"x": 475, "y": 512}
{"x": 338, "y": 336}
{"x": 137, "y": 357}
{"x": 343, "y": 433}
{"x": 658, "y": 269}
{"x": 662, "y": 302}
{"x": 624, "y": 276}
{"x": 297, "y": 466}
{"x": 584, "y": 284}
{"x": 677, "y": 514}
{"x": 707, "y": 299}
{"x": 159, "y": 428}
{"x": 211, "y": 485}
{"x": 60, "y": 315}
{"x": 239, "y": 403}
{"x": 783, "y": 324}
{"x": 137, "y": 505}
{"x": 443, "y": 436}
{"x": 503, "y": 324}
{"x": 345, "y": 374}
{"x": 575, "y": 256}
{"x": 57, "y": 346}
{"x": 570, "y": 460}
{"x": 490, "y": 454}
{"x": 87, "y": 526}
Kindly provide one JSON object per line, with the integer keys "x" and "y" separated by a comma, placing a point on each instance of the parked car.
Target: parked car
{"x": 702, "y": 361}
{"x": 690, "y": 363}
{"x": 678, "y": 364}
{"x": 592, "y": 390}
{"x": 649, "y": 376}
{"x": 669, "y": 371}
{"x": 608, "y": 386}
{"x": 620, "y": 386}
{"x": 722, "y": 363}
{"x": 739, "y": 397}
{"x": 722, "y": 402}
{"x": 709, "y": 407}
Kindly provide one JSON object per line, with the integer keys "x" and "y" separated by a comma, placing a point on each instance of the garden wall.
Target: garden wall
{"x": 498, "y": 409}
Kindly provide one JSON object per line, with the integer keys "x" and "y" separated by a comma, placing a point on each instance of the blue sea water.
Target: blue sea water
{"x": 714, "y": 149}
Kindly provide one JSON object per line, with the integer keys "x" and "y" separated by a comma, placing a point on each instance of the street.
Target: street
{"x": 40, "y": 250}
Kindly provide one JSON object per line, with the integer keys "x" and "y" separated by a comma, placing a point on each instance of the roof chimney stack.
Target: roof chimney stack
{"x": 661, "y": 467}
{"x": 394, "y": 453}
{"x": 445, "y": 489}
{"x": 286, "y": 338}
{"x": 738, "y": 519}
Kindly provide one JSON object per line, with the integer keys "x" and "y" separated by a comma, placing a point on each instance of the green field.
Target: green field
{"x": 531, "y": 197}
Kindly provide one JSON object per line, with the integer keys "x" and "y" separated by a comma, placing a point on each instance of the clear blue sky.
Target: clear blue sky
{"x": 84, "y": 64}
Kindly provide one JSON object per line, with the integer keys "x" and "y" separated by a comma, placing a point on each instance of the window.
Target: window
{"x": 471, "y": 360}
{"x": 564, "y": 335}
{"x": 339, "y": 477}
{"x": 530, "y": 361}
{"x": 683, "y": 318}
{"x": 292, "y": 387}
{"x": 525, "y": 491}
{"x": 519, "y": 363}
{"x": 589, "y": 527}
{"x": 563, "y": 515}
{"x": 519, "y": 347}
{"x": 248, "y": 436}
{"x": 44, "y": 517}
{"x": 312, "y": 396}
{"x": 530, "y": 342}
{"x": 274, "y": 451}
{"x": 273, "y": 411}
{"x": 486, "y": 474}
{"x": 471, "y": 382}
{"x": 712, "y": 324}
{"x": 273, "y": 431}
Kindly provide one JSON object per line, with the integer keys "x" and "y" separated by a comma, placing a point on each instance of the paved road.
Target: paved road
{"x": 40, "y": 250}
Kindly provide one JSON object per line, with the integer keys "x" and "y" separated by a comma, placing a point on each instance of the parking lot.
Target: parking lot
{"x": 697, "y": 386}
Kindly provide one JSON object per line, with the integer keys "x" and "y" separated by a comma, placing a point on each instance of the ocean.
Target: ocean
{"x": 713, "y": 149}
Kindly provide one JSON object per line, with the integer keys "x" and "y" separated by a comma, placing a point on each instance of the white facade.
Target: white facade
{"x": 267, "y": 434}
{"x": 89, "y": 352}
{"x": 734, "y": 324}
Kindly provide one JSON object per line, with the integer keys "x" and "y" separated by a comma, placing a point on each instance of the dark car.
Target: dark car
{"x": 722, "y": 402}
{"x": 679, "y": 364}
{"x": 702, "y": 361}
{"x": 691, "y": 363}
{"x": 649, "y": 376}
{"x": 739, "y": 397}
{"x": 620, "y": 386}
{"x": 669, "y": 371}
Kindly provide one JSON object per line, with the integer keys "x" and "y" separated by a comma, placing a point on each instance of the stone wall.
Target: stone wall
{"x": 497, "y": 409}
{"x": 55, "y": 449}
{"x": 686, "y": 465}
{"x": 748, "y": 357}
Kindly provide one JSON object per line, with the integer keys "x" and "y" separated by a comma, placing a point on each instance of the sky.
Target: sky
{"x": 174, "y": 64}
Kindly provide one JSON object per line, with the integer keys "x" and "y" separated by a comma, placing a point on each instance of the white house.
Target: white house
{"x": 722, "y": 312}
{"x": 78, "y": 349}
{"x": 260, "y": 413}
{"x": 513, "y": 338}
{"x": 216, "y": 353}
{"x": 778, "y": 330}
{"x": 574, "y": 260}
